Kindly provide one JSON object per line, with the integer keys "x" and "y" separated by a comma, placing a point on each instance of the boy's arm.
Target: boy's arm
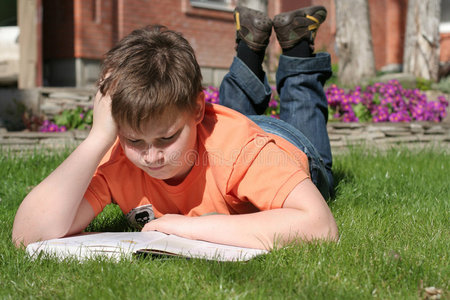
{"x": 56, "y": 207}
{"x": 305, "y": 215}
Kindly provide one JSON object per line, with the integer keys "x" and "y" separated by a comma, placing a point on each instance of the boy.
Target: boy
{"x": 204, "y": 171}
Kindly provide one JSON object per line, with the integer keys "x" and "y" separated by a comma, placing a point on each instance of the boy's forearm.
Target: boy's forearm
{"x": 264, "y": 230}
{"x": 49, "y": 209}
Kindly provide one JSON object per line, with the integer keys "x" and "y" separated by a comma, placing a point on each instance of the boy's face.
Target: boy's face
{"x": 167, "y": 147}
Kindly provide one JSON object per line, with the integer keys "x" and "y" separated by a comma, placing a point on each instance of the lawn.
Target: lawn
{"x": 392, "y": 210}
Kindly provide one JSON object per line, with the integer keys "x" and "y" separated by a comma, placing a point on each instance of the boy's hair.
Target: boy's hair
{"x": 149, "y": 71}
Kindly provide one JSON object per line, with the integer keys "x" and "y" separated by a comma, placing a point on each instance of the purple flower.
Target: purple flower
{"x": 273, "y": 103}
{"x": 211, "y": 94}
{"x": 401, "y": 116}
{"x": 48, "y": 126}
{"x": 380, "y": 114}
{"x": 386, "y": 102}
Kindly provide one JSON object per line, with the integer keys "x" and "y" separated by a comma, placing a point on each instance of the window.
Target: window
{"x": 444, "y": 27}
{"x": 226, "y": 5}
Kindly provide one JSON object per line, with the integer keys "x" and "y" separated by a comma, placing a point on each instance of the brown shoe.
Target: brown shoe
{"x": 301, "y": 24}
{"x": 252, "y": 26}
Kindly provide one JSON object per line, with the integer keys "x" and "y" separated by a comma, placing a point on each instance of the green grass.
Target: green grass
{"x": 392, "y": 210}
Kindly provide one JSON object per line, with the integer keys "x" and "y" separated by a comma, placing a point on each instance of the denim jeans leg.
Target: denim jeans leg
{"x": 241, "y": 90}
{"x": 303, "y": 103}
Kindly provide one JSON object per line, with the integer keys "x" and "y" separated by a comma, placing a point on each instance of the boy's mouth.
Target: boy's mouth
{"x": 155, "y": 168}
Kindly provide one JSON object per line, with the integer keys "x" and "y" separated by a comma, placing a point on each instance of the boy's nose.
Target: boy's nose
{"x": 152, "y": 156}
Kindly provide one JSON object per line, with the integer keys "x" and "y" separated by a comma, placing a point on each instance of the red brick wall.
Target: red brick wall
{"x": 89, "y": 28}
{"x": 211, "y": 33}
{"x": 395, "y": 30}
{"x": 287, "y": 5}
{"x": 445, "y": 47}
{"x": 378, "y": 25}
{"x": 388, "y": 23}
{"x": 94, "y": 31}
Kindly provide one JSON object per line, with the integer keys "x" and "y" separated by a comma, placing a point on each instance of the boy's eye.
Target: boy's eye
{"x": 134, "y": 142}
{"x": 170, "y": 137}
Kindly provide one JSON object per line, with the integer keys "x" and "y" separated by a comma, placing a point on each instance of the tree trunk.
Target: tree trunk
{"x": 422, "y": 47}
{"x": 354, "y": 41}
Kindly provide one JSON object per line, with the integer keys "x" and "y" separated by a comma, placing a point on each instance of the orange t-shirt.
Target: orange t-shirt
{"x": 239, "y": 169}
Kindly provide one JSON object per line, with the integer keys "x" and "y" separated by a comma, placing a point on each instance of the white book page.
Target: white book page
{"x": 205, "y": 250}
{"x": 124, "y": 244}
{"x": 111, "y": 244}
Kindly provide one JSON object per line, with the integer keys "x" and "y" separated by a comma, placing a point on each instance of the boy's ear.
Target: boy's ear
{"x": 200, "y": 107}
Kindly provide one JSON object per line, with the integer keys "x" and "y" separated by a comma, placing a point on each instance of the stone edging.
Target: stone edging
{"x": 377, "y": 135}
{"x": 385, "y": 135}
{"x": 27, "y": 140}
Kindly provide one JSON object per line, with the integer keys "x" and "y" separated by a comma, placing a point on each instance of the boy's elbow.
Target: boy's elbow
{"x": 18, "y": 240}
{"x": 18, "y": 243}
{"x": 328, "y": 231}
{"x": 21, "y": 239}
{"x": 24, "y": 233}
{"x": 332, "y": 232}
{"x": 21, "y": 235}
{"x": 321, "y": 227}
{"x": 316, "y": 227}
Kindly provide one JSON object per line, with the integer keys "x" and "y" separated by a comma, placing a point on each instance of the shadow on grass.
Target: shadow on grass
{"x": 111, "y": 219}
{"x": 340, "y": 176}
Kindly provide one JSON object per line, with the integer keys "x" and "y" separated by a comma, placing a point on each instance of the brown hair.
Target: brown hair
{"x": 150, "y": 70}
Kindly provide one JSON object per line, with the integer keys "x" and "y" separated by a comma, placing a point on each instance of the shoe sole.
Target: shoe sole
{"x": 264, "y": 28}
{"x": 284, "y": 20}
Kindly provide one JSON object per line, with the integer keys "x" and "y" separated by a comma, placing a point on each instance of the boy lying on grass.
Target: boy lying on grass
{"x": 178, "y": 165}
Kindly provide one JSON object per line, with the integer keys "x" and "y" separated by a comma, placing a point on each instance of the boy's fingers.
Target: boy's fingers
{"x": 99, "y": 96}
{"x": 167, "y": 224}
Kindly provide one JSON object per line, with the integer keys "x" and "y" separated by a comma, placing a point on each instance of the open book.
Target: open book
{"x": 127, "y": 244}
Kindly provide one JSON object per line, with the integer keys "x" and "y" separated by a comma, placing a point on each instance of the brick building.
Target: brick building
{"x": 74, "y": 34}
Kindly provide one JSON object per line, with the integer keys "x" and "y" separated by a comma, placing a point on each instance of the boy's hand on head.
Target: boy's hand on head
{"x": 104, "y": 127}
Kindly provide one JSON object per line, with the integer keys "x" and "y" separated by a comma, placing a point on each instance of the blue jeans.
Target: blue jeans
{"x": 303, "y": 108}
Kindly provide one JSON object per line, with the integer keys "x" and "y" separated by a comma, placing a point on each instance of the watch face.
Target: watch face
{"x": 141, "y": 215}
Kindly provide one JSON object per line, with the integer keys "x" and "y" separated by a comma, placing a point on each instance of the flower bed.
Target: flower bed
{"x": 79, "y": 118}
{"x": 380, "y": 102}
{"x": 384, "y": 102}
